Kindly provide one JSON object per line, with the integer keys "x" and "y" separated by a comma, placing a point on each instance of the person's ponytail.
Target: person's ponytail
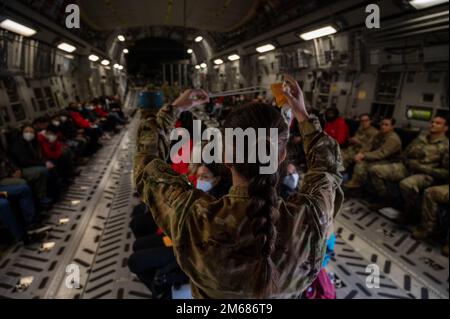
{"x": 263, "y": 213}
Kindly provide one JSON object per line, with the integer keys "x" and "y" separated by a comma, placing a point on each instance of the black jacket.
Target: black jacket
{"x": 26, "y": 154}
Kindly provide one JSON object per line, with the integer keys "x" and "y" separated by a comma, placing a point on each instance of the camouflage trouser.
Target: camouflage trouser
{"x": 361, "y": 172}
{"x": 410, "y": 186}
{"x": 348, "y": 156}
{"x": 432, "y": 198}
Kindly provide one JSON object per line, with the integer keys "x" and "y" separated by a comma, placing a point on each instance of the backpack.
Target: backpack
{"x": 321, "y": 288}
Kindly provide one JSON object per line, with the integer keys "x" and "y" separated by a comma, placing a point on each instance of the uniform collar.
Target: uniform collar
{"x": 239, "y": 191}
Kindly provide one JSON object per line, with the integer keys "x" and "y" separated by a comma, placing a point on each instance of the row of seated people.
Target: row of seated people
{"x": 412, "y": 178}
{"x": 153, "y": 259}
{"x": 39, "y": 161}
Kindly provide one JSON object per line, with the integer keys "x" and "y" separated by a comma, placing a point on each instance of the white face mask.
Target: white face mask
{"x": 52, "y": 138}
{"x": 56, "y": 123}
{"x": 205, "y": 186}
{"x": 63, "y": 119}
{"x": 28, "y": 137}
{"x": 291, "y": 181}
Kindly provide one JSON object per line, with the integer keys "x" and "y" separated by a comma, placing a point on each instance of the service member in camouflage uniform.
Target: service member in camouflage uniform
{"x": 433, "y": 198}
{"x": 361, "y": 142}
{"x": 422, "y": 166}
{"x": 249, "y": 243}
{"x": 386, "y": 148}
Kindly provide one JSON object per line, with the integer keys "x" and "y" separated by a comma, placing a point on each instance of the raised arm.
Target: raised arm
{"x": 167, "y": 194}
{"x": 321, "y": 192}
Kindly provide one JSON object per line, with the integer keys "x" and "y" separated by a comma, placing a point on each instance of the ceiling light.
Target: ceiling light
{"x": 318, "y": 33}
{"x": 265, "y": 48}
{"x": 69, "y": 56}
{"x": 121, "y": 67}
{"x": 190, "y": 51}
{"x": 17, "y": 28}
{"x": 199, "y": 39}
{"x": 422, "y": 4}
{"x": 66, "y": 47}
{"x": 203, "y": 65}
{"x": 234, "y": 57}
{"x": 105, "y": 62}
{"x": 218, "y": 61}
{"x": 126, "y": 51}
{"x": 116, "y": 66}
{"x": 93, "y": 58}
{"x": 121, "y": 38}
{"x": 197, "y": 67}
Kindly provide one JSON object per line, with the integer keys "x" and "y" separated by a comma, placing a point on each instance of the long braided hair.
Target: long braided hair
{"x": 263, "y": 207}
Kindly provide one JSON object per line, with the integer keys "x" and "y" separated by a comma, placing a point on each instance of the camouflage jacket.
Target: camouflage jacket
{"x": 386, "y": 147}
{"x": 204, "y": 230}
{"x": 428, "y": 156}
{"x": 365, "y": 138}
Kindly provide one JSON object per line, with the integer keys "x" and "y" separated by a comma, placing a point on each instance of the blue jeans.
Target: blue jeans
{"x": 23, "y": 195}
{"x": 8, "y": 218}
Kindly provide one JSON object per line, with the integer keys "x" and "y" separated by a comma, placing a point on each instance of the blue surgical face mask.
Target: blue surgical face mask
{"x": 205, "y": 186}
{"x": 291, "y": 181}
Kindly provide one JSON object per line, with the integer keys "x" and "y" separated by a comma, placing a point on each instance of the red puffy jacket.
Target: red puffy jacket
{"x": 338, "y": 130}
{"x": 100, "y": 112}
{"x": 80, "y": 121}
{"x": 50, "y": 151}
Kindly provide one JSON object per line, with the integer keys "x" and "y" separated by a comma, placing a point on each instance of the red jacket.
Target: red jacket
{"x": 338, "y": 130}
{"x": 80, "y": 121}
{"x": 49, "y": 151}
{"x": 100, "y": 112}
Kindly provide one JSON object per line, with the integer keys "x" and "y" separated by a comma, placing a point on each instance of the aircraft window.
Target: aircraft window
{"x": 40, "y": 99}
{"x": 18, "y": 111}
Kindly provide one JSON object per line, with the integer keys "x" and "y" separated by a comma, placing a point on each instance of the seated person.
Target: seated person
{"x": 70, "y": 135}
{"x": 91, "y": 130}
{"x": 290, "y": 182}
{"x": 54, "y": 151}
{"x": 433, "y": 198}
{"x": 335, "y": 126}
{"x": 386, "y": 148}
{"x": 26, "y": 155}
{"x": 155, "y": 251}
{"x": 422, "y": 166}
{"x": 12, "y": 187}
{"x": 361, "y": 142}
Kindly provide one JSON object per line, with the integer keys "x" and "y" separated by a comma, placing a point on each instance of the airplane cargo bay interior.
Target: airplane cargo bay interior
{"x": 108, "y": 114}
